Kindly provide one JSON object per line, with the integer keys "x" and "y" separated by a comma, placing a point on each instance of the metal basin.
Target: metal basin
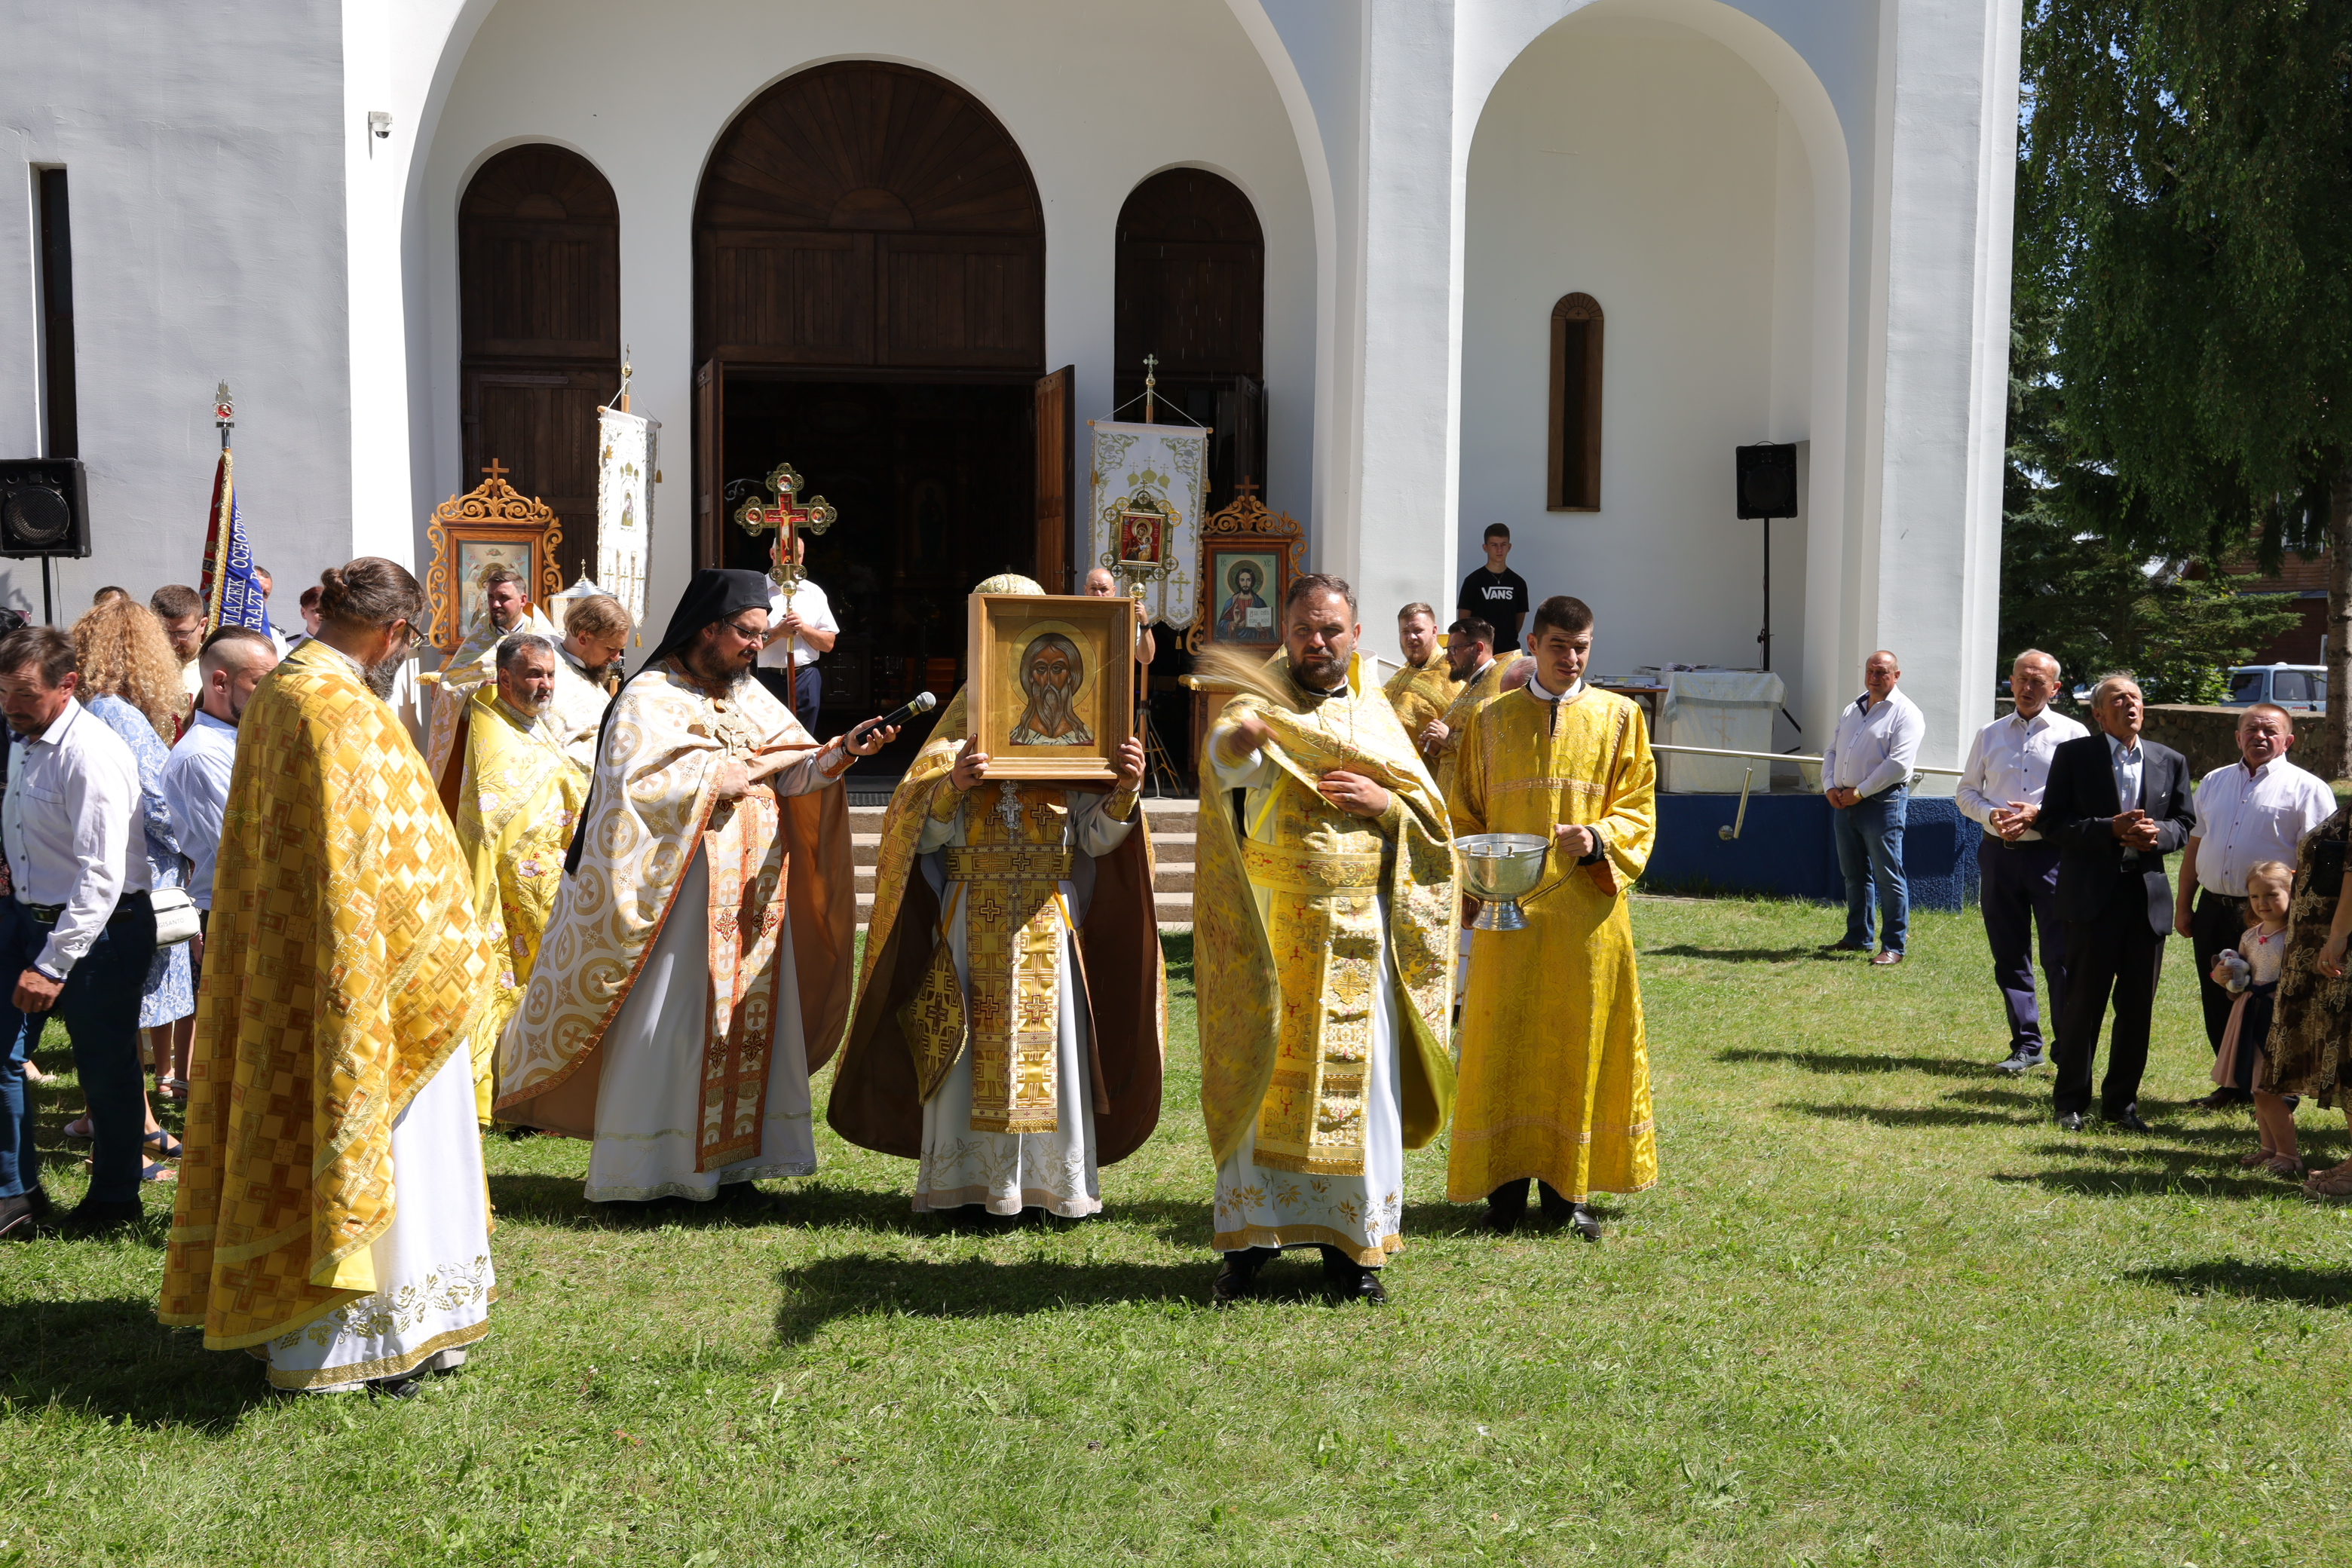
{"x": 1498, "y": 869}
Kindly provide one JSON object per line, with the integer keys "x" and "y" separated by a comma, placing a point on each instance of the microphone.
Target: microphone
{"x": 921, "y": 702}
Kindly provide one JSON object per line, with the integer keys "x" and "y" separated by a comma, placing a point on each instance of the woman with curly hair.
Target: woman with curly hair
{"x": 131, "y": 680}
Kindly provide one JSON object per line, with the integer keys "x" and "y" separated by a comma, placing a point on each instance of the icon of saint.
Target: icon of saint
{"x": 1052, "y": 671}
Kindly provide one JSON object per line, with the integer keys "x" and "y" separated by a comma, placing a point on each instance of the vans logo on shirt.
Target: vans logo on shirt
{"x": 1493, "y": 594}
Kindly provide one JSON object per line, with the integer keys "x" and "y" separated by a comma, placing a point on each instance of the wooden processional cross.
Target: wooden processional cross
{"x": 784, "y": 517}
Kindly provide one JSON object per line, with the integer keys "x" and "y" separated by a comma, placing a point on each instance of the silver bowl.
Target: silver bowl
{"x": 1498, "y": 869}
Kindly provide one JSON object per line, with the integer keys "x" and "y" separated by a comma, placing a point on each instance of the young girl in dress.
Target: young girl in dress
{"x": 2251, "y": 972}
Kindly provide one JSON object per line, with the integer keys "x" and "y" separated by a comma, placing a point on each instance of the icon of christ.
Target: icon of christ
{"x": 1052, "y": 671}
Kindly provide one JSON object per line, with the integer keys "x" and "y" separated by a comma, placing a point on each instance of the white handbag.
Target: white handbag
{"x": 175, "y": 915}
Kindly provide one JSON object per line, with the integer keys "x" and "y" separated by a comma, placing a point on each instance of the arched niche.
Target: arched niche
{"x": 1190, "y": 292}
{"x": 538, "y": 289}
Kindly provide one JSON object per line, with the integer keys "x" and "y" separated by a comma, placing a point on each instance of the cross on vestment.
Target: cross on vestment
{"x": 785, "y": 518}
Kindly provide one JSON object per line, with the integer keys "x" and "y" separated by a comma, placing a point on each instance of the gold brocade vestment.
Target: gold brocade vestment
{"x": 465, "y": 671}
{"x": 344, "y": 968}
{"x": 1554, "y": 1069}
{"x": 1423, "y": 692}
{"x": 1473, "y": 696}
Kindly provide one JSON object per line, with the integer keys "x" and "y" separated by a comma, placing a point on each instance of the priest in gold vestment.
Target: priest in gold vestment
{"x": 696, "y": 968}
{"x": 1011, "y": 1011}
{"x": 330, "y": 1214}
{"x": 517, "y": 806}
{"x": 1324, "y": 912}
{"x": 1426, "y": 687}
{"x": 506, "y": 609}
{"x": 1555, "y": 1066}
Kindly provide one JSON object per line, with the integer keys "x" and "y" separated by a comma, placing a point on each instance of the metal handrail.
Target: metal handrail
{"x": 1777, "y": 757}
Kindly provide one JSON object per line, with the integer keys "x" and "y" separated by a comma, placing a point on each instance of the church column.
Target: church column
{"x": 1938, "y": 349}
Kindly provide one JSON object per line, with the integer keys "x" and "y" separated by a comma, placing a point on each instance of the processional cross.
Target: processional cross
{"x": 785, "y": 517}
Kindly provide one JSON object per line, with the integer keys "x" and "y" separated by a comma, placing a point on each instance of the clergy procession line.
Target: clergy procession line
{"x": 621, "y": 909}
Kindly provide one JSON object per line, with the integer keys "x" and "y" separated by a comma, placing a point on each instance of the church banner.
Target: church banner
{"x": 1150, "y": 481}
{"x": 231, "y": 590}
{"x": 626, "y": 454}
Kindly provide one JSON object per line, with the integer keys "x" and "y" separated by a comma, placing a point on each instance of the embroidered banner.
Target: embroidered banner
{"x": 1150, "y": 481}
{"x": 232, "y": 594}
{"x": 627, "y": 453}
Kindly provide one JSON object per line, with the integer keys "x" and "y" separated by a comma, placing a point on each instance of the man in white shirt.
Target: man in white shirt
{"x": 79, "y": 934}
{"x": 195, "y": 778}
{"x": 801, "y": 630}
{"x": 2001, "y": 788}
{"x": 1101, "y": 584}
{"x": 2257, "y": 808}
{"x": 1867, "y": 777}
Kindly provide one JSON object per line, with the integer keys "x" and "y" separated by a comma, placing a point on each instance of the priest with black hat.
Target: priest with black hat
{"x": 696, "y": 968}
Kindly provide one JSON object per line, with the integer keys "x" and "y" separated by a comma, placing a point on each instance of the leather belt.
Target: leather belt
{"x": 49, "y": 914}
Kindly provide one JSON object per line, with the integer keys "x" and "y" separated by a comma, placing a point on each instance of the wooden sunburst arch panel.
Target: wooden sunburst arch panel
{"x": 492, "y": 513}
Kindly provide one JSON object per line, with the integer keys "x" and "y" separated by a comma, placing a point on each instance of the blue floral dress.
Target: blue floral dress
{"x": 168, "y": 995}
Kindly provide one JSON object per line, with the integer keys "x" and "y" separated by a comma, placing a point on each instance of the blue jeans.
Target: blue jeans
{"x": 99, "y": 1006}
{"x": 1869, "y": 852}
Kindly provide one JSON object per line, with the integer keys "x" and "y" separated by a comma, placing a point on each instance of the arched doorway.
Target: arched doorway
{"x": 1191, "y": 293}
{"x": 538, "y": 292}
{"x": 870, "y": 307}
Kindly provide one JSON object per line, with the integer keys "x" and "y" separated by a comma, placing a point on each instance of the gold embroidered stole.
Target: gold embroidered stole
{"x": 746, "y": 919}
{"x": 1322, "y": 877}
{"x": 1008, "y": 873}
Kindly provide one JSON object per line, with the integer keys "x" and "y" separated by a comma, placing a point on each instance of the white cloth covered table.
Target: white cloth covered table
{"x": 1730, "y": 710}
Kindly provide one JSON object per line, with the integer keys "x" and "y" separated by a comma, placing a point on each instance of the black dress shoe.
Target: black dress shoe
{"x": 1845, "y": 947}
{"x": 1237, "y": 1281}
{"x": 2070, "y": 1121}
{"x": 1500, "y": 1221}
{"x": 2222, "y": 1099}
{"x": 2128, "y": 1120}
{"x": 89, "y": 1218}
{"x": 2021, "y": 1060}
{"x": 1556, "y": 1208}
{"x": 1586, "y": 1223}
{"x": 16, "y": 1219}
{"x": 1350, "y": 1280}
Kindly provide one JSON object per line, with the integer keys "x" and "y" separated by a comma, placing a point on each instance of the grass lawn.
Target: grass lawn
{"x": 1878, "y": 1310}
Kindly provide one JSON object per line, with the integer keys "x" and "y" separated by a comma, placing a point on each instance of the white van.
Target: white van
{"x": 2298, "y": 687}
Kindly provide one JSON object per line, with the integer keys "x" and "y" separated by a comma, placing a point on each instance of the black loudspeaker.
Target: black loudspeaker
{"x": 44, "y": 507}
{"x": 1768, "y": 480}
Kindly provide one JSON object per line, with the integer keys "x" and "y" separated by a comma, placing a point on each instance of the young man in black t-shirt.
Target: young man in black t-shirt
{"x": 1495, "y": 594}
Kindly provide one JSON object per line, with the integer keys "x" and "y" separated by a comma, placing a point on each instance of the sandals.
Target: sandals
{"x": 174, "y": 1088}
{"x": 166, "y": 1147}
{"x": 2331, "y": 1187}
{"x": 80, "y": 1129}
{"x": 2259, "y": 1157}
{"x": 2287, "y": 1167}
{"x": 159, "y": 1172}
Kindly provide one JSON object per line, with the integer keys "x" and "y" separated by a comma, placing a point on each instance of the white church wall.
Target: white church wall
{"x": 1098, "y": 99}
{"x": 203, "y": 149}
{"x": 1639, "y": 163}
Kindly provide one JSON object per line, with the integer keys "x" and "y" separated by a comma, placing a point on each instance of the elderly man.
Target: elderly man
{"x": 2257, "y": 808}
{"x": 2117, "y": 805}
{"x": 2001, "y": 789}
{"x": 1101, "y": 584}
{"x": 1867, "y": 777}
{"x": 506, "y": 609}
{"x": 77, "y": 936}
{"x": 517, "y": 806}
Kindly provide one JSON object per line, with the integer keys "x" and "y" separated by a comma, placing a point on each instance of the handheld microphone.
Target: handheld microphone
{"x": 920, "y": 703}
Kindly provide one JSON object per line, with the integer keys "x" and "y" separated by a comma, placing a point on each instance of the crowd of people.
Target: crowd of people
{"x": 618, "y": 906}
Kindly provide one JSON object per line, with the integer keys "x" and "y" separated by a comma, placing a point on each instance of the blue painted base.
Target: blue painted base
{"x": 1787, "y": 849}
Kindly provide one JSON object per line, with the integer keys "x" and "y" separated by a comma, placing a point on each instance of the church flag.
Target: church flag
{"x": 1150, "y": 481}
{"x": 231, "y": 595}
{"x": 626, "y": 450}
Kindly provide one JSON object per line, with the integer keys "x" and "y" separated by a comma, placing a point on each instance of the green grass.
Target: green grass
{"x": 1877, "y": 1310}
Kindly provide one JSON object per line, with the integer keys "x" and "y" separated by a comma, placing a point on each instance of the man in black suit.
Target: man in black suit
{"x": 2118, "y": 805}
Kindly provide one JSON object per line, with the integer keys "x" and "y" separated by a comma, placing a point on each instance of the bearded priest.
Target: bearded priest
{"x": 1555, "y": 1066}
{"x": 1324, "y": 912}
{"x": 517, "y": 806}
{"x": 1012, "y": 1046}
{"x": 1481, "y": 678}
{"x": 331, "y": 1216}
{"x": 1426, "y": 686}
{"x": 506, "y": 609}
{"x": 595, "y": 638}
{"x": 696, "y": 968}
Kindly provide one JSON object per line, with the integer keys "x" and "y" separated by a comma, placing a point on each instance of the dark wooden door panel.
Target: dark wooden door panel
{"x": 541, "y": 424}
{"x": 960, "y": 301}
{"x": 791, "y": 298}
{"x": 709, "y": 462}
{"x": 542, "y": 292}
{"x": 1057, "y": 488}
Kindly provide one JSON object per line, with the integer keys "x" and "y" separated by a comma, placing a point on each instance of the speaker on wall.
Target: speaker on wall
{"x": 1768, "y": 479}
{"x": 44, "y": 507}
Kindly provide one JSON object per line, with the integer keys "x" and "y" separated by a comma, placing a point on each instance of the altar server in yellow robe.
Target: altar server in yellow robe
{"x": 696, "y": 965}
{"x": 517, "y": 806}
{"x": 506, "y": 609}
{"x": 330, "y": 1214}
{"x": 1011, "y": 1018}
{"x": 1324, "y": 912}
{"x": 1426, "y": 687}
{"x": 595, "y": 638}
{"x": 1555, "y": 1066}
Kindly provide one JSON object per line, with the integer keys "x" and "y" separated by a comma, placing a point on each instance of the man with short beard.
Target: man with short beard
{"x": 331, "y": 1215}
{"x": 1427, "y": 685}
{"x": 595, "y": 638}
{"x": 517, "y": 806}
{"x": 506, "y": 609}
{"x": 696, "y": 963}
{"x": 1324, "y": 912}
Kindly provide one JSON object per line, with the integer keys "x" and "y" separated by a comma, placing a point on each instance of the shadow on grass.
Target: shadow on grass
{"x": 112, "y": 1359}
{"x": 1840, "y": 1062}
{"x": 1750, "y": 954}
{"x": 557, "y": 1200}
{"x": 2182, "y": 1175}
{"x": 857, "y": 1284}
{"x": 2258, "y": 1281}
{"x": 1913, "y": 1115}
